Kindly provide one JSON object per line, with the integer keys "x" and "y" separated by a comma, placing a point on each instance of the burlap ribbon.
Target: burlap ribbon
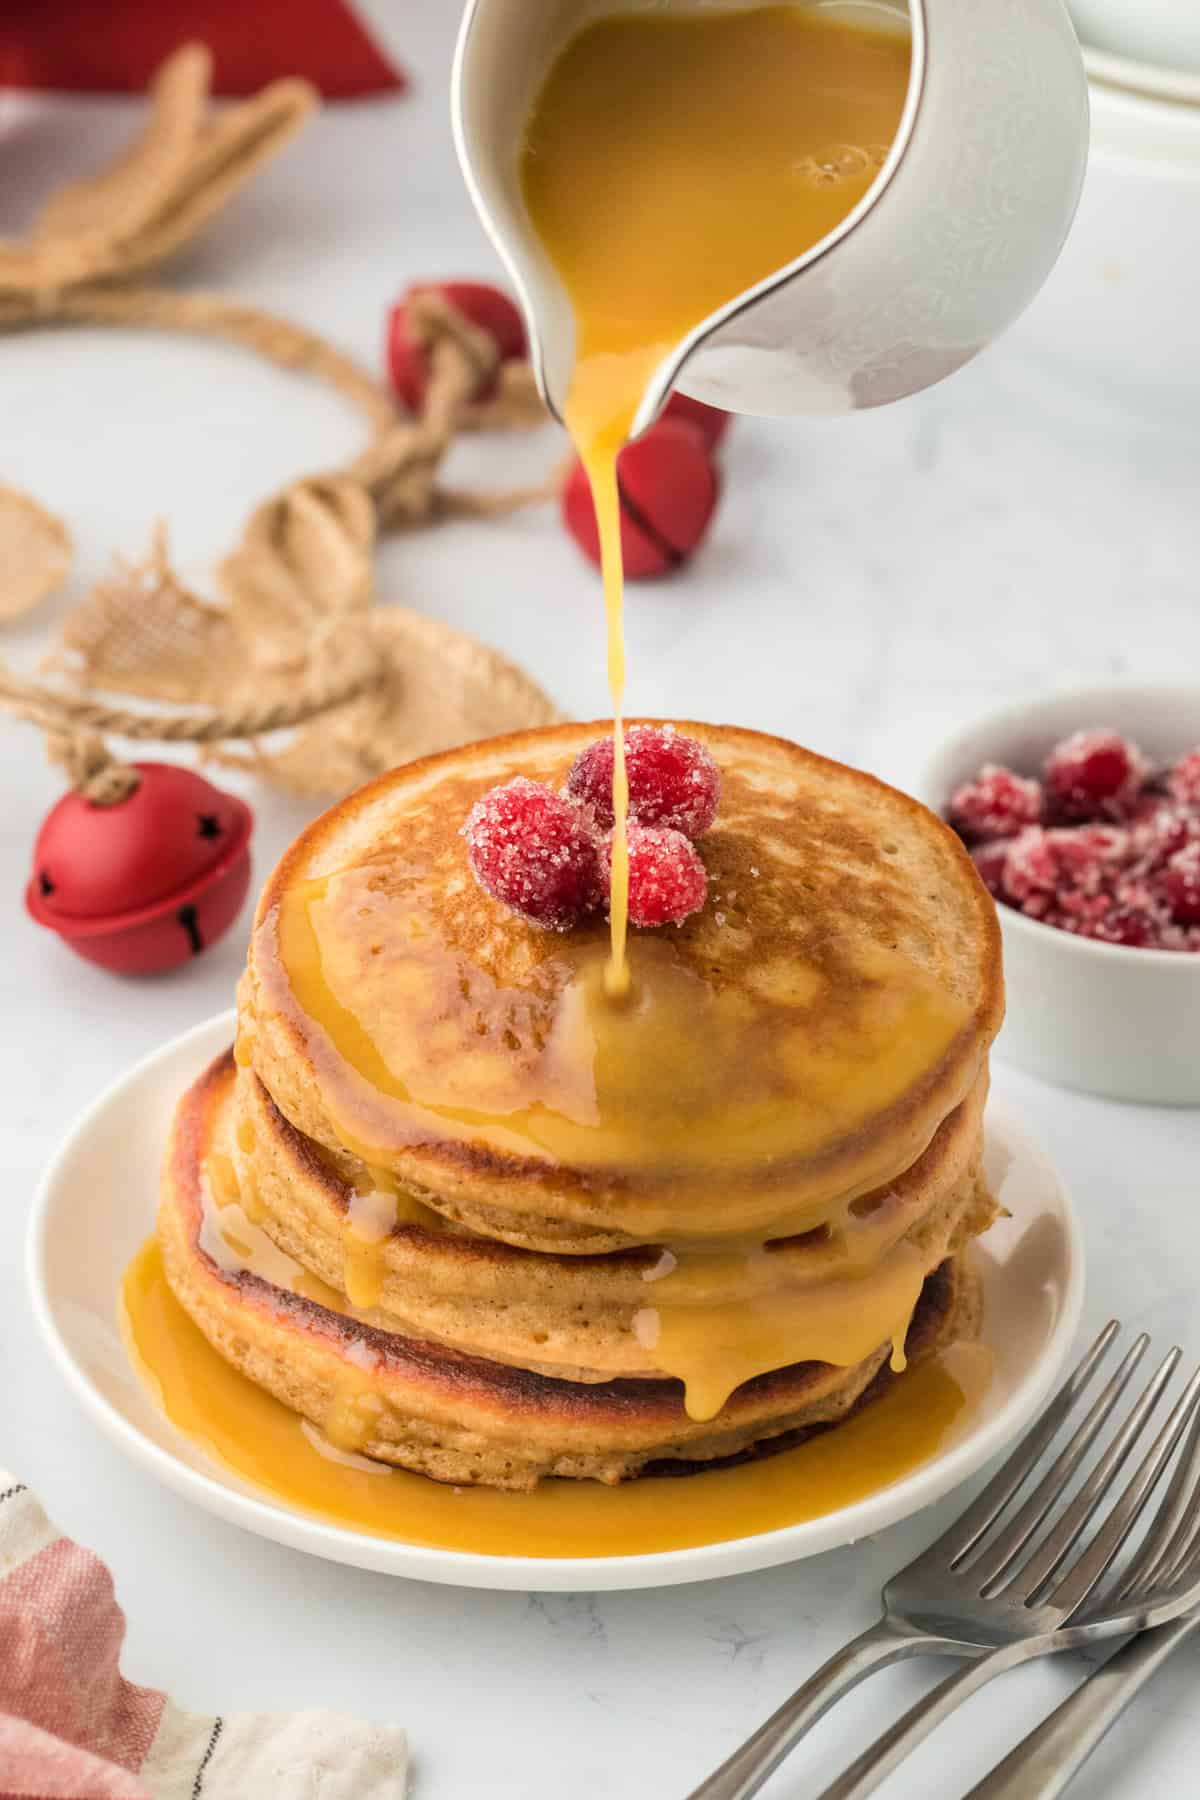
{"x": 294, "y": 640}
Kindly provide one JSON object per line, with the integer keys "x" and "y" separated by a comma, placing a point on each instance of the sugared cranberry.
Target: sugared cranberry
{"x": 667, "y": 880}
{"x": 1128, "y": 925}
{"x": 1183, "y": 781}
{"x": 1093, "y": 775}
{"x": 1160, "y": 828}
{"x": 673, "y": 780}
{"x": 1181, "y": 884}
{"x": 488, "y": 309}
{"x": 1054, "y": 862}
{"x": 990, "y": 860}
{"x": 1029, "y": 867}
{"x": 997, "y": 804}
{"x": 1088, "y": 854}
{"x": 536, "y": 851}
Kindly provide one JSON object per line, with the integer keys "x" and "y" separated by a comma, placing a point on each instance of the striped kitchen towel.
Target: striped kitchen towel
{"x": 72, "y": 1727}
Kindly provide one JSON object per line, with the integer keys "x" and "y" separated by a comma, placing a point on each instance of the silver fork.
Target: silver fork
{"x": 1045, "y": 1763}
{"x": 950, "y": 1602}
{"x": 1154, "y": 1585}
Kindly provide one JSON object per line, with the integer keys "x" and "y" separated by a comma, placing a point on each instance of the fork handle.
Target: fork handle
{"x": 758, "y": 1758}
{"x": 1044, "y": 1763}
{"x": 892, "y": 1746}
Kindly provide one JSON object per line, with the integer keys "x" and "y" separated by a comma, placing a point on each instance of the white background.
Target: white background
{"x": 869, "y": 584}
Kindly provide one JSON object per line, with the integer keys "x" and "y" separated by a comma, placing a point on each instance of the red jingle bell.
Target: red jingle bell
{"x": 709, "y": 421}
{"x": 485, "y": 306}
{"x": 668, "y": 489}
{"x": 148, "y": 882}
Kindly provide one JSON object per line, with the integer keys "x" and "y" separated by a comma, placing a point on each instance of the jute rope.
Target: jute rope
{"x": 295, "y": 641}
{"x": 75, "y": 725}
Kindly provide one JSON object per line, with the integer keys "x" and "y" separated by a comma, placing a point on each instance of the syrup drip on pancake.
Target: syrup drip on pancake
{"x": 237, "y": 1245}
{"x": 861, "y": 1294}
{"x": 713, "y": 1349}
{"x": 685, "y": 1084}
{"x": 236, "y": 1242}
{"x": 669, "y": 165}
{"x": 679, "y": 1082}
{"x": 377, "y": 1205}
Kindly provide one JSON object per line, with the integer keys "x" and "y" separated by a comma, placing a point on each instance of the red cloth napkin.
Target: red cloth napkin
{"x": 73, "y": 1728}
{"x": 116, "y": 46}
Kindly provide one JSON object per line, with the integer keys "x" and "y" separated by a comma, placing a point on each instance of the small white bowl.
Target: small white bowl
{"x": 1102, "y": 1017}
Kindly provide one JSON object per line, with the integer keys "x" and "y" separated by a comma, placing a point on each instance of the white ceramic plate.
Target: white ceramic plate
{"x": 96, "y": 1205}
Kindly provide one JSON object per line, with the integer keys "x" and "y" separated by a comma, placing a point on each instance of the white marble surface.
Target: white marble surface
{"x": 869, "y": 584}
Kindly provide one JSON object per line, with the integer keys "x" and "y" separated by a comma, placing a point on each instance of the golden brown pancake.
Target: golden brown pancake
{"x": 465, "y": 1419}
{"x": 793, "y": 1046}
{"x": 570, "y": 1316}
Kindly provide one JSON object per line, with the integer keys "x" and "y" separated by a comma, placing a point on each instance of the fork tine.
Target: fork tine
{"x": 1075, "y": 1587}
{"x": 963, "y": 1535}
{"x": 1175, "y": 1527}
{"x": 1002, "y": 1551}
{"x": 1050, "y": 1553}
{"x": 1187, "y": 1569}
{"x": 1182, "y": 1555}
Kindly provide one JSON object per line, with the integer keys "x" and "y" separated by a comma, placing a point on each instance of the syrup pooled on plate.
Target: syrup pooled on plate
{"x": 669, "y": 164}
{"x": 263, "y": 1441}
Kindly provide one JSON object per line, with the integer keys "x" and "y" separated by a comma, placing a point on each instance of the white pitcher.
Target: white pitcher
{"x": 951, "y": 242}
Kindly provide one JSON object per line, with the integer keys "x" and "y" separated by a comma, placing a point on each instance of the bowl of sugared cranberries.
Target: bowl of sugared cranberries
{"x": 1081, "y": 813}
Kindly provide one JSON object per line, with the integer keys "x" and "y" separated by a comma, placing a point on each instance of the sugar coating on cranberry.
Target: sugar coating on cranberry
{"x": 1094, "y": 774}
{"x": 1181, "y": 884}
{"x": 1160, "y": 827}
{"x": 991, "y": 860}
{"x": 667, "y": 880}
{"x": 1129, "y": 925}
{"x": 535, "y": 851}
{"x": 997, "y": 804}
{"x": 1056, "y": 863}
{"x": 673, "y": 780}
{"x": 1183, "y": 780}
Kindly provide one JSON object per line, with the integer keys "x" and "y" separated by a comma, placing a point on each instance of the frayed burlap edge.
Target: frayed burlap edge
{"x": 294, "y": 640}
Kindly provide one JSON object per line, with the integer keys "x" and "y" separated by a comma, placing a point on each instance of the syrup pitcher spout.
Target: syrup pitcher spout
{"x": 947, "y": 246}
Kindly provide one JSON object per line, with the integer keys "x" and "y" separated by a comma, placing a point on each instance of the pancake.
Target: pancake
{"x": 794, "y": 1046}
{"x": 565, "y": 1315}
{"x": 466, "y": 1419}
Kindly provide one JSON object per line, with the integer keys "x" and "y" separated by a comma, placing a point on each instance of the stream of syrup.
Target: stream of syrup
{"x": 670, "y": 164}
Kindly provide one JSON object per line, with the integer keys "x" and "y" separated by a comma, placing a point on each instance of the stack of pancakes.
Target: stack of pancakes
{"x": 466, "y": 1215}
